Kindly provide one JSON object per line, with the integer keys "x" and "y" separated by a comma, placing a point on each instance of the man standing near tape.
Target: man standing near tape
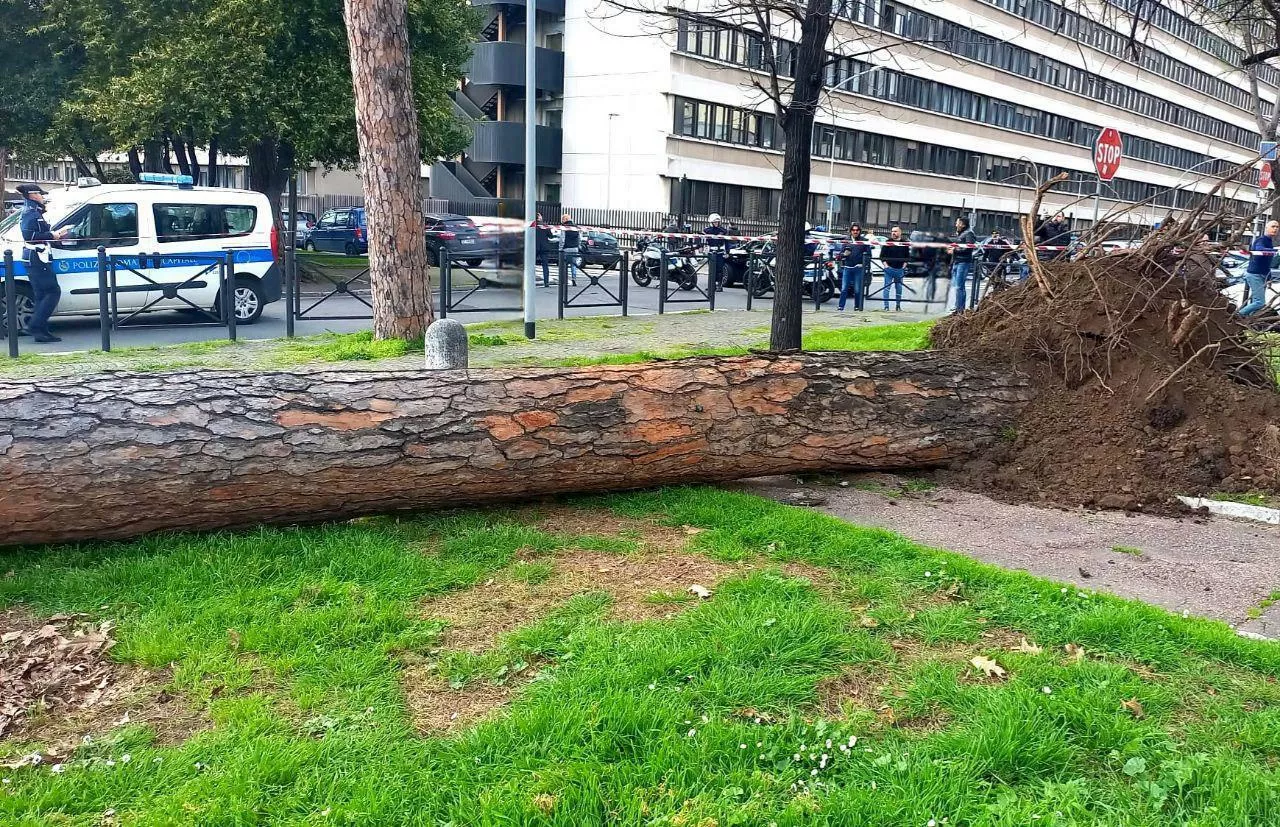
{"x": 1255, "y": 276}
{"x": 36, "y": 236}
{"x": 716, "y": 246}
{"x": 962, "y": 262}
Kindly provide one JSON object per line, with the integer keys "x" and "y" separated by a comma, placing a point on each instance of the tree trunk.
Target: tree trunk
{"x": 98, "y": 171}
{"x": 269, "y": 163}
{"x": 151, "y": 152}
{"x": 82, "y": 168}
{"x": 193, "y": 161}
{"x": 797, "y": 125}
{"x": 213, "y": 161}
{"x": 390, "y": 166}
{"x": 166, "y": 155}
{"x": 135, "y": 163}
{"x": 119, "y": 455}
{"x": 180, "y": 152}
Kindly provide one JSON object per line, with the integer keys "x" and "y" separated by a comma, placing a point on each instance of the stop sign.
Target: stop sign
{"x": 1264, "y": 176}
{"x": 1107, "y": 153}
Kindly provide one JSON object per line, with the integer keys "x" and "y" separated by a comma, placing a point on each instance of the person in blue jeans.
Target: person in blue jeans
{"x": 1255, "y": 276}
{"x": 962, "y": 262}
{"x": 895, "y": 255}
{"x": 856, "y": 259}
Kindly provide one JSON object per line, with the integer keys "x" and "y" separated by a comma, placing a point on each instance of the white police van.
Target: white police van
{"x": 166, "y": 234}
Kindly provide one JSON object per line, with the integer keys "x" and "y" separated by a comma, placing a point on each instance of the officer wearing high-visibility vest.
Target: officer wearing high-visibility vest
{"x": 36, "y": 237}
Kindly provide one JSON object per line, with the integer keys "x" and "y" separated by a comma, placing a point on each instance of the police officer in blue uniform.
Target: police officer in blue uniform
{"x": 37, "y": 236}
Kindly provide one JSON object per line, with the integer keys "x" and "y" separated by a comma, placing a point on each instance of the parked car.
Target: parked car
{"x": 341, "y": 230}
{"x": 305, "y": 223}
{"x": 180, "y": 226}
{"x": 460, "y": 236}
{"x": 599, "y": 248}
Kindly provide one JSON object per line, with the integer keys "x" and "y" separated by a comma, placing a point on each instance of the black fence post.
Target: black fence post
{"x": 624, "y": 277}
{"x": 977, "y": 284}
{"x": 10, "y": 304}
{"x": 716, "y": 261}
{"x": 562, "y": 289}
{"x": 229, "y": 293}
{"x": 104, "y": 316}
{"x": 817, "y": 286}
{"x": 291, "y": 256}
{"x": 749, "y": 281}
{"x": 662, "y": 281}
{"x": 446, "y": 277}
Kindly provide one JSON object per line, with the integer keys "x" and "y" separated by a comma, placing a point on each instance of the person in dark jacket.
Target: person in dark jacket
{"x": 713, "y": 231}
{"x": 962, "y": 262}
{"x": 37, "y": 236}
{"x": 855, "y": 257}
{"x": 570, "y": 241}
{"x": 1255, "y": 275}
{"x": 995, "y": 251}
{"x": 895, "y": 254}
{"x": 544, "y": 248}
{"x": 1053, "y": 233}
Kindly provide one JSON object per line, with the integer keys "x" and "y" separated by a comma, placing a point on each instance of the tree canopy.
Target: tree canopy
{"x": 267, "y": 79}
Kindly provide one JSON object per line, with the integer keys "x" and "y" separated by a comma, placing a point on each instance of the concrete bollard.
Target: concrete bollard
{"x": 446, "y": 345}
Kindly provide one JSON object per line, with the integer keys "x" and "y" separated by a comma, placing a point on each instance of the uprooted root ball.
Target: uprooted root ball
{"x": 1148, "y": 385}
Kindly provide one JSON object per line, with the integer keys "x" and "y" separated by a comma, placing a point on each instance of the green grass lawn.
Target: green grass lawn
{"x": 828, "y": 680}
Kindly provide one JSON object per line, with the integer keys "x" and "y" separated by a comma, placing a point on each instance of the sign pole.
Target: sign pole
{"x": 1108, "y": 150}
{"x": 530, "y": 169}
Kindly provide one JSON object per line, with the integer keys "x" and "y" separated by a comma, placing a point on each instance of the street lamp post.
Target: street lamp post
{"x": 608, "y": 173}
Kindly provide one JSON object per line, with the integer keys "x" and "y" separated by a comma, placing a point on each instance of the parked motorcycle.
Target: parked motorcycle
{"x": 823, "y": 270}
{"x": 648, "y": 264}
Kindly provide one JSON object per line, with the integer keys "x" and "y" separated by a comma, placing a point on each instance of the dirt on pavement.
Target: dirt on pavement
{"x": 1209, "y": 567}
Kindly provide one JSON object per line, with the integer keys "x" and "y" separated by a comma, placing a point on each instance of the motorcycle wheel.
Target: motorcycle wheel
{"x": 640, "y": 274}
{"x": 763, "y": 283}
{"x": 688, "y": 278}
{"x": 827, "y": 292}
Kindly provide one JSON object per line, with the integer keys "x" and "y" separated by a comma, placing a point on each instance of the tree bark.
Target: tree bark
{"x": 120, "y": 455}
{"x": 797, "y": 126}
{"x": 193, "y": 161}
{"x": 390, "y": 166}
{"x": 151, "y": 152}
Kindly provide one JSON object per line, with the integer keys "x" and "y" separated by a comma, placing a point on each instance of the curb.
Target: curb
{"x": 1240, "y": 511}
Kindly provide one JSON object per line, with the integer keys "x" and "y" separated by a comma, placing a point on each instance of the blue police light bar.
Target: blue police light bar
{"x": 180, "y": 181}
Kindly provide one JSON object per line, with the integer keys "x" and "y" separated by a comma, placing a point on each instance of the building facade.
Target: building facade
{"x": 932, "y": 110}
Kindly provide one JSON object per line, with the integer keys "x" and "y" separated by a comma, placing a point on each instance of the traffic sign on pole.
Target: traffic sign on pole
{"x": 1267, "y": 149}
{"x": 1107, "y": 153}
{"x": 1264, "y": 176}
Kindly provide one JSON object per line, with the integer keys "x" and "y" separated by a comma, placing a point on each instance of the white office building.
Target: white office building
{"x": 962, "y": 102}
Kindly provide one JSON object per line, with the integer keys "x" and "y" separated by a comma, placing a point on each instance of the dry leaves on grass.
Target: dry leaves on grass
{"x": 988, "y": 667}
{"x": 59, "y": 665}
{"x": 1135, "y": 708}
{"x": 1028, "y": 648}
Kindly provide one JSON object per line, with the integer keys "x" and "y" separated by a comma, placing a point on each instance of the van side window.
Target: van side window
{"x": 326, "y": 221}
{"x": 105, "y": 225}
{"x": 199, "y": 222}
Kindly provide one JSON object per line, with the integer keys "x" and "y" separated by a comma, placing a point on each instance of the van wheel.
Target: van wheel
{"x": 25, "y": 306}
{"x": 248, "y": 301}
{"x": 309, "y": 246}
{"x": 473, "y": 263}
{"x": 351, "y": 249}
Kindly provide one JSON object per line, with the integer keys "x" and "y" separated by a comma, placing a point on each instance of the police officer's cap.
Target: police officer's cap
{"x": 27, "y": 189}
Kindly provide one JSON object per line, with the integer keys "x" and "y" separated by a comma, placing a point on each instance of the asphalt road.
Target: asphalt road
{"x": 491, "y": 303}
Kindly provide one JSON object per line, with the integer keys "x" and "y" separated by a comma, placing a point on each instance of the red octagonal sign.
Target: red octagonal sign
{"x": 1107, "y": 153}
{"x": 1264, "y": 177}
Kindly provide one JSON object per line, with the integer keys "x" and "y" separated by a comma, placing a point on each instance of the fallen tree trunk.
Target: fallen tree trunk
{"x": 119, "y": 455}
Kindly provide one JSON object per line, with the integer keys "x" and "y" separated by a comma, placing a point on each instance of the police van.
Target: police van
{"x": 165, "y": 235}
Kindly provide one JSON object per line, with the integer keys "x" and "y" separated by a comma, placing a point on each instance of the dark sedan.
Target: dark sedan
{"x": 461, "y": 238}
{"x": 598, "y": 248}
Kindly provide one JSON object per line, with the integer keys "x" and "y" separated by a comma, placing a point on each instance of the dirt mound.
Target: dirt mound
{"x": 1147, "y": 385}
